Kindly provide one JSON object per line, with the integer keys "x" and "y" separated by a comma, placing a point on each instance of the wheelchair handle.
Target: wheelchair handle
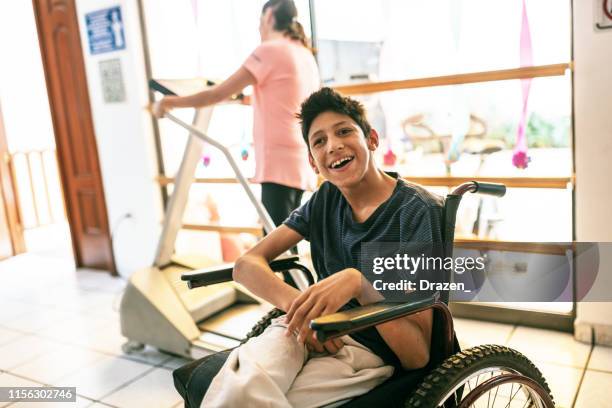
{"x": 494, "y": 189}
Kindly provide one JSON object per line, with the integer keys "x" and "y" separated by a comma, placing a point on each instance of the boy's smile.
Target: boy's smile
{"x": 339, "y": 150}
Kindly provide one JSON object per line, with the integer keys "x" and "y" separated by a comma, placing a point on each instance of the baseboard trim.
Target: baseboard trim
{"x": 593, "y": 333}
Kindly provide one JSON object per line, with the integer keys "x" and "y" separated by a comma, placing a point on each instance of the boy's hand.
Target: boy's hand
{"x": 331, "y": 346}
{"x": 324, "y": 297}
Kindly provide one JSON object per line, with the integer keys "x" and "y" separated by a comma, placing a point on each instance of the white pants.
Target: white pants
{"x": 274, "y": 370}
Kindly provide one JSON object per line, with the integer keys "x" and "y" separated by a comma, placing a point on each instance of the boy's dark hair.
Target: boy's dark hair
{"x": 328, "y": 100}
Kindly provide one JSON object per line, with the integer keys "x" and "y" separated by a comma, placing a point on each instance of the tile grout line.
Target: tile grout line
{"x": 514, "y": 327}
{"x": 124, "y": 385}
{"x": 584, "y": 370}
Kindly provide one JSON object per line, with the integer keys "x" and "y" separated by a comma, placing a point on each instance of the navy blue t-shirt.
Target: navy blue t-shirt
{"x": 411, "y": 214}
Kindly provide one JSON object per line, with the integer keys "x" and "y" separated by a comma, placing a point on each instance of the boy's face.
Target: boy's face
{"x": 339, "y": 150}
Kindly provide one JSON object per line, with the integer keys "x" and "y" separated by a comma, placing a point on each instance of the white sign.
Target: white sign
{"x": 112, "y": 81}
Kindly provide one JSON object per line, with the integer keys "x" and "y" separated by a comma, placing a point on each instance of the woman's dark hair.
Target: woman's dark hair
{"x": 285, "y": 19}
{"x": 328, "y": 100}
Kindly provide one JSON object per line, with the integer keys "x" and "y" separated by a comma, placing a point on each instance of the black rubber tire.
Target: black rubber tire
{"x": 262, "y": 324}
{"x": 457, "y": 368}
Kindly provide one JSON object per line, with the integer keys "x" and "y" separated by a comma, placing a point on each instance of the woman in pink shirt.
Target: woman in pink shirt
{"x": 283, "y": 73}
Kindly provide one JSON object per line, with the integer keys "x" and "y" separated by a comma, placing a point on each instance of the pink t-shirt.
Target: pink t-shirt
{"x": 286, "y": 73}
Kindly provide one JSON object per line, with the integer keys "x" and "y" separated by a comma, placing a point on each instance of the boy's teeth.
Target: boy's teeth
{"x": 338, "y": 162}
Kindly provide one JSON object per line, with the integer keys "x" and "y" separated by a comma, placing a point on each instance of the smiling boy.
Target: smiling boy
{"x": 358, "y": 202}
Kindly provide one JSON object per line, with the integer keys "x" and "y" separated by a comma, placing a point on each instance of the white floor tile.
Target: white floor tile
{"x": 601, "y": 359}
{"x": 149, "y": 355}
{"x": 8, "y": 380}
{"x": 33, "y": 322}
{"x": 79, "y": 403}
{"x": 104, "y": 376}
{"x": 549, "y": 346}
{"x": 52, "y": 367}
{"x": 563, "y": 382}
{"x": 154, "y": 390}
{"x": 7, "y": 335}
{"x": 475, "y": 333}
{"x": 176, "y": 362}
{"x": 108, "y": 339}
{"x": 11, "y": 309}
{"x": 595, "y": 390}
{"x": 24, "y": 349}
{"x": 77, "y": 330}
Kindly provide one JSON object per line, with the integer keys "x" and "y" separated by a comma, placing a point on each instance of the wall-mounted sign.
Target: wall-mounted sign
{"x": 112, "y": 81}
{"x": 603, "y": 14}
{"x": 105, "y": 30}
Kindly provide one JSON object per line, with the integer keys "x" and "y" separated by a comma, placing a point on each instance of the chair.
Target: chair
{"x": 452, "y": 378}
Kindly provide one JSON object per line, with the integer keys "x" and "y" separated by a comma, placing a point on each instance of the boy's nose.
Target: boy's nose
{"x": 335, "y": 145}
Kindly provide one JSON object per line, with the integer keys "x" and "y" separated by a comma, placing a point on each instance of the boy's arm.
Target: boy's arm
{"x": 408, "y": 337}
{"x": 252, "y": 270}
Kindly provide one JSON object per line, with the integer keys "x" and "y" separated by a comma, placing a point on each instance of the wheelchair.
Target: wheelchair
{"x": 482, "y": 376}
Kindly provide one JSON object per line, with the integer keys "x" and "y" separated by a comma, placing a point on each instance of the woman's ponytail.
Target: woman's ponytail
{"x": 285, "y": 20}
{"x": 295, "y": 31}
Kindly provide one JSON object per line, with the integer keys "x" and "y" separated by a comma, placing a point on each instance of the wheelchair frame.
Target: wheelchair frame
{"x": 445, "y": 384}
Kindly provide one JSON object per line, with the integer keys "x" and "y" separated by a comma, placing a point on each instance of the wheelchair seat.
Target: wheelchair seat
{"x": 192, "y": 380}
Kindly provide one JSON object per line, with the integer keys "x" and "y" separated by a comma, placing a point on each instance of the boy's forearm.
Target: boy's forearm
{"x": 404, "y": 335}
{"x": 406, "y": 338}
{"x": 255, "y": 274}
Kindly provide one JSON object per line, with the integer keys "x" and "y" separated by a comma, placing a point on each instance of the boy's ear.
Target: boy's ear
{"x": 312, "y": 163}
{"x": 374, "y": 140}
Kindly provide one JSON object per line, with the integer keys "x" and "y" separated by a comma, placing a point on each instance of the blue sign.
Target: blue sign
{"x": 105, "y": 30}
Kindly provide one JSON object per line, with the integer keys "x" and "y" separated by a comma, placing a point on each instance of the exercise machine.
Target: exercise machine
{"x": 157, "y": 308}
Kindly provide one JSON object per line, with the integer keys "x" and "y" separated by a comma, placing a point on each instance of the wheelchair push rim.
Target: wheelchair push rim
{"x": 531, "y": 389}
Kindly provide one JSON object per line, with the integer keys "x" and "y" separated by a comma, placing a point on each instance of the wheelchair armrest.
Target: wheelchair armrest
{"x": 345, "y": 322}
{"x": 223, "y": 273}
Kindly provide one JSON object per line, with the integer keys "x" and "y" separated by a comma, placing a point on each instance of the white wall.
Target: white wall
{"x": 125, "y": 143}
{"x": 593, "y": 124}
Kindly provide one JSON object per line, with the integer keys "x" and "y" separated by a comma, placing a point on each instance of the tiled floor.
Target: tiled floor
{"x": 60, "y": 327}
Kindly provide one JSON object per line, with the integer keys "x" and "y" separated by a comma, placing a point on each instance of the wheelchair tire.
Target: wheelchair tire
{"x": 262, "y": 324}
{"x": 457, "y": 369}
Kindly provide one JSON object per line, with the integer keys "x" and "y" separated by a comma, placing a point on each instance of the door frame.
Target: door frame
{"x": 8, "y": 193}
{"x": 59, "y": 40}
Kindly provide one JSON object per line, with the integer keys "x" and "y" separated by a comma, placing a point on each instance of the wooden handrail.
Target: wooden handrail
{"x": 528, "y": 247}
{"x": 442, "y": 181}
{"x": 455, "y": 79}
{"x": 510, "y": 182}
{"x": 218, "y": 228}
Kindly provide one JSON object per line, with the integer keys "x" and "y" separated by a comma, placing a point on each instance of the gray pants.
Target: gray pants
{"x": 274, "y": 370}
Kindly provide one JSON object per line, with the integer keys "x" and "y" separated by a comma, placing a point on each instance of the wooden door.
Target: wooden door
{"x": 11, "y": 232}
{"x": 62, "y": 57}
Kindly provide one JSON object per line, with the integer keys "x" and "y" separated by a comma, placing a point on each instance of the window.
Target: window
{"x": 439, "y": 135}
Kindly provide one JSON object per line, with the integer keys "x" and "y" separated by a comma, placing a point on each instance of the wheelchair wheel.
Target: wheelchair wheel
{"x": 484, "y": 376}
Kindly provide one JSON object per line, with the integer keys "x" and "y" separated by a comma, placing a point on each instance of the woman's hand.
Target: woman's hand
{"x": 324, "y": 297}
{"x": 159, "y": 108}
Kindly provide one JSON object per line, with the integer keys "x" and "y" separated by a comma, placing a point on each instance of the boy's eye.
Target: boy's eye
{"x": 317, "y": 142}
{"x": 345, "y": 131}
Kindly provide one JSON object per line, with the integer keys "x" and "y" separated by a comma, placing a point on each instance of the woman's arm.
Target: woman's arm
{"x": 252, "y": 270}
{"x": 231, "y": 86}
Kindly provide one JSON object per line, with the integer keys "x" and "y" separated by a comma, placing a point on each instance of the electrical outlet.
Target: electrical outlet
{"x": 520, "y": 267}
